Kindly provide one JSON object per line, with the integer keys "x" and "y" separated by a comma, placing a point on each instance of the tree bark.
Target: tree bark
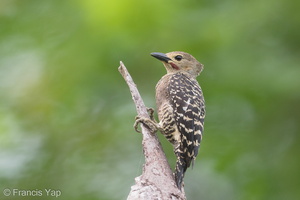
{"x": 157, "y": 180}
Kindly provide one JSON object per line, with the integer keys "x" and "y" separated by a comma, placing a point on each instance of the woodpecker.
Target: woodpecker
{"x": 181, "y": 108}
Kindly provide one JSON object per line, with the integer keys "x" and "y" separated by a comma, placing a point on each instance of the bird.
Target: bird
{"x": 180, "y": 107}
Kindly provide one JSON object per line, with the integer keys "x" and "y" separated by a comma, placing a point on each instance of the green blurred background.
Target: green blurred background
{"x": 66, "y": 114}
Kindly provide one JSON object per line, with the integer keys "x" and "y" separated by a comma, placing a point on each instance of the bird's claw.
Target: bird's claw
{"x": 149, "y": 123}
{"x": 136, "y": 124}
{"x": 151, "y": 113}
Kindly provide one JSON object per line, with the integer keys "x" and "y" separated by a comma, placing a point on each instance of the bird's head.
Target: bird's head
{"x": 179, "y": 61}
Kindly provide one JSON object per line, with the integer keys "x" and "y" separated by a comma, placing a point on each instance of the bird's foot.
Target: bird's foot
{"x": 150, "y": 113}
{"x": 150, "y": 123}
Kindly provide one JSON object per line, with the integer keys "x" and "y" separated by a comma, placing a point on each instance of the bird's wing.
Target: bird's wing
{"x": 189, "y": 111}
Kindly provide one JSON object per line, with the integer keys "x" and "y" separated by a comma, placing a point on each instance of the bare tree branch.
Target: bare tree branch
{"x": 156, "y": 181}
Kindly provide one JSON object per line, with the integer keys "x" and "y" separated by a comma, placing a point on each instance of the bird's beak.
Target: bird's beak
{"x": 161, "y": 56}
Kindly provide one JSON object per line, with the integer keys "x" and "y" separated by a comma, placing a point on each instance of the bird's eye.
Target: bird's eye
{"x": 178, "y": 57}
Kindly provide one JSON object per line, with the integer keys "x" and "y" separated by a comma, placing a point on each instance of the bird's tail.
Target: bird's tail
{"x": 181, "y": 165}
